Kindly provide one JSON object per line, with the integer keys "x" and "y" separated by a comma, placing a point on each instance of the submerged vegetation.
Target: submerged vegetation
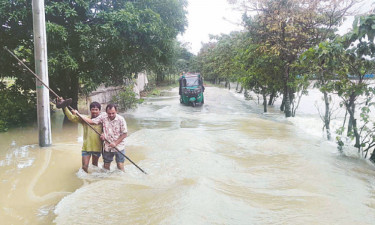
{"x": 125, "y": 99}
{"x": 287, "y": 46}
{"x": 17, "y": 107}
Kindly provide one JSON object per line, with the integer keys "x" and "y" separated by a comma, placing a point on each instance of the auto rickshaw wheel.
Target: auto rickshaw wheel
{"x": 181, "y": 100}
{"x": 194, "y": 104}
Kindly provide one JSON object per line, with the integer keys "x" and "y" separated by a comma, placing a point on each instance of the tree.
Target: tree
{"x": 322, "y": 63}
{"x": 93, "y": 42}
{"x": 206, "y": 62}
{"x": 341, "y": 67}
{"x": 360, "y": 48}
{"x": 183, "y": 59}
{"x": 288, "y": 28}
{"x": 351, "y": 86}
{"x": 216, "y": 58}
{"x": 259, "y": 71}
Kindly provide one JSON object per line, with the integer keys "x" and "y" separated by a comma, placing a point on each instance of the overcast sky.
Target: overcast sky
{"x": 217, "y": 16}
{"x": 208, "y": 17}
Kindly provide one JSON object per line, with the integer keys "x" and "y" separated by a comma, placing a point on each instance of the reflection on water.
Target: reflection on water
{"x": 220, "y": 163}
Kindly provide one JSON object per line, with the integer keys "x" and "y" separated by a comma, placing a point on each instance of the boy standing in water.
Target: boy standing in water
{"x": 115, "y": 131}
{"x": 92, "y": 145}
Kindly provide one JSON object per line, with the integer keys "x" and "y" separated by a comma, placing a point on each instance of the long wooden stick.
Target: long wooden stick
{"x": 23, "y": 64}
{"x": 57, "y": 96}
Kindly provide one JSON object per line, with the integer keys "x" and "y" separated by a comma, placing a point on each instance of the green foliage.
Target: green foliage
{"x": 155, "y": 92}
{"x": 183, "y": 59}
{"x": 3, "y": 126}
{"x": 206, "y": 63}
{"x": 285, "y": 29}
{"x": 17, "y": 107}
{"x": 92, "y": 42}
{"x": 264, "y": 56}
{"x": 126, "y": 99}
{"x": 340, "y": 143}
{"x": 322, "y": 63}
{"x": 364, "y": 27}
{"x": 216, "y": 59}
{"x": 260, "y": 72}
{"x": 341, "y": 66}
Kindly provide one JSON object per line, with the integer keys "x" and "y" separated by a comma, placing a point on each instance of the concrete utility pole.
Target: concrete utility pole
{"x": 41, "y": 69}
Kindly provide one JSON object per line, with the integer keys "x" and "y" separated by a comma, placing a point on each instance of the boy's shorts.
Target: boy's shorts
{"x": 87, "y": 153}
{"x": 108, "y": 156}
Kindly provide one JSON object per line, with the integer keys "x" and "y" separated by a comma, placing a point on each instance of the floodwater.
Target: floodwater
{"x": 222, "y": 163}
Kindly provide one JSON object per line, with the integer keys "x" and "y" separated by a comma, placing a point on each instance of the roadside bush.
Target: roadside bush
{"x": 126, "y": 99}
{"x": 17, "y": 107}
{"x": 3, "y": 126}
{"x": 156, "y": 92}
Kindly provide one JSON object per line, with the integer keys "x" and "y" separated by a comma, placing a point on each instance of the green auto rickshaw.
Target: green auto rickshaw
{"x": 191, "y": 89}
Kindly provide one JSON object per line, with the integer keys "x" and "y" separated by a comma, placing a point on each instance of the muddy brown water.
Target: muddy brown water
{"x": 220, "y": 163}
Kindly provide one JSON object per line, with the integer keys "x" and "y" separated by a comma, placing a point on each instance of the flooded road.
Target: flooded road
{"x": 221, "y": 163}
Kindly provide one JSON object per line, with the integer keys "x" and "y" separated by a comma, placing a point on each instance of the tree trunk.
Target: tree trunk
{"x": 350, "y": 125}
{"x": 237, "y": 87}
{"x": 351, "y": 110}
{"x": 74, "y": 90}
{"x": 282, "y": 106}
{"x": 292, "y": 95}
{"x": 246, "y": 94}
{"x": 241, "y": 89}
{"x": 351, "y": 107}
{"x": 159, "y": 77}
{"x": 264, "y": 101}
{"x": 327, "y": 116}
{"x": 356, "y": 134}
{"x": 270, "y": 102}
{"x": 288, "y": 112}
{"x": 372, "y": 157}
